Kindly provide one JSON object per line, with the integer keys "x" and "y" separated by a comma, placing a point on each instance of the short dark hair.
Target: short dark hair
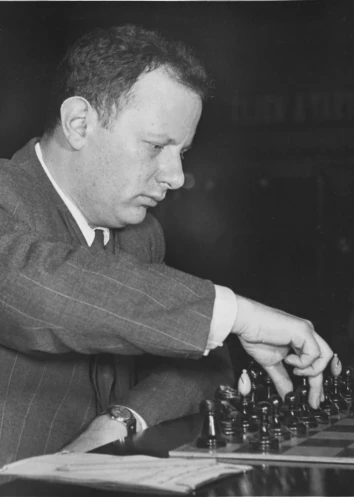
{"x": 103, "y": 65}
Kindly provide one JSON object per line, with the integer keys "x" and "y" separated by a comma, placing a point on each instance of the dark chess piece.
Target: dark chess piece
{"x": 305, "y": 414}
{"x": 211, "y": 436}
{"x": 265, "y": 441}
{"x": 327, "y": 405}
{"x": 291, "y": 420}
{"x": 320, "y": 416}
{"x": 336, "y": 397}
{"x": 225, "y": 393}
{"x": 269, "y": 387}
{"x": 347, "y": 388}
{"x": 276, "y": 428}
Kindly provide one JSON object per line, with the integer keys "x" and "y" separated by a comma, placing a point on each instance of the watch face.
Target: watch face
{"x": 120, "y": 412}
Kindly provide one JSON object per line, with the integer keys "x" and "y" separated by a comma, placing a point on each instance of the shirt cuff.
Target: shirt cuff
{"x": 224, "y": 316}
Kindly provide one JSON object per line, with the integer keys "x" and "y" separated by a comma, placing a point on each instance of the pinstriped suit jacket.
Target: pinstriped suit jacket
{"x": 60, "y": 302}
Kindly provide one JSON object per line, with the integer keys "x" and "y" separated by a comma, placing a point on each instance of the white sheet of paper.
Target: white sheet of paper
{"x": 131, "y": 473}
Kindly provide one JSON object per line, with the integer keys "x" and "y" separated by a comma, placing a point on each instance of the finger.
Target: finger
{"x": 280, "y": 378}
{"x": 316, "y": 390}
{"x": 320, "y": 358}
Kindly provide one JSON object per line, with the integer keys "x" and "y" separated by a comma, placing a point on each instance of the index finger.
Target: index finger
{"x": 320, "y": 363}
{"x": 280, "y": 378}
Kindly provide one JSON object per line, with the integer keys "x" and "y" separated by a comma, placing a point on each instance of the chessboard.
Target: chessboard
{"x": 325, "y": 444}
{"x": 252, "y": 423}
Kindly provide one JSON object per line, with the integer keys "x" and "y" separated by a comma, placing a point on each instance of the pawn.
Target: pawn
{"x": 291, "y": 420}
{"x": 277, "y": 429}
{"x": 265, "y": 441}
{"x": 211, "y": 436}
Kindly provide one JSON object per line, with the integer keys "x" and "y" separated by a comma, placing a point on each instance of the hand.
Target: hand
{"x": 269, "y": 334}
{"x": 101, "y": 431}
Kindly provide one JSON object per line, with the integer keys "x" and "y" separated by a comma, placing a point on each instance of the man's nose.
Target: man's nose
{"x": 171, "y": 173}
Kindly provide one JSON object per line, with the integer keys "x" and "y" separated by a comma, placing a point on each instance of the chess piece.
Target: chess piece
{"x": 276, "y": 428}
{"x": 269, "y": 387}
{"x": 265, "y": 441}
{"x": 327, "y": 405}
{"x": 211, "y": 436}
{"x": 347, "y": 390}
{"x": 247, "y": 421}
{"x": 291, "y": 420}
{"x": 336, "y": 397}
{"x": 305, "y": 415}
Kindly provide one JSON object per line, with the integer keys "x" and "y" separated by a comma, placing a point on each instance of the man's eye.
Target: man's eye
{"x": 155, "y": 146}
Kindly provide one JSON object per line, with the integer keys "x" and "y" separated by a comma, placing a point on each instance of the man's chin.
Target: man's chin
{"x": 135, "y": 217}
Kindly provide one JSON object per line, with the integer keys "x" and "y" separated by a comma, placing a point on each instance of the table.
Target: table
{"x": 265, "y": 479}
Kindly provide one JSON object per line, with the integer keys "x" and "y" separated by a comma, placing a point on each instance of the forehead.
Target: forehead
{"x": 156, "y": 93}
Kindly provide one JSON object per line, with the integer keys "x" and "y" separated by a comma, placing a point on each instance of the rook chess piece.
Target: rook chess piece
{"x": 211, "y": 436}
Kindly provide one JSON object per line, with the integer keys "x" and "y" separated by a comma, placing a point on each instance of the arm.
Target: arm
{"x": 56, "y": 297}
{"x": 169, "y": 389}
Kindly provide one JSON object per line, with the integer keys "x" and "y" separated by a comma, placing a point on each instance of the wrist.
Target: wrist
{"x": 245, "y": 314}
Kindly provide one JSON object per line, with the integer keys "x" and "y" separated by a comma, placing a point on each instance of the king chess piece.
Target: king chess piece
{"x": 327, "y": 405}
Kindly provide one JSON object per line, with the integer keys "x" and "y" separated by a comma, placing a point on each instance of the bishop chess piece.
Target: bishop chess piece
{"x": 265, "y": 440}
{"x": 291, "y": 420}
{"x": 247, "y": 420}
{"x": 211, "y": 436}
{"x": 336, "y": 397}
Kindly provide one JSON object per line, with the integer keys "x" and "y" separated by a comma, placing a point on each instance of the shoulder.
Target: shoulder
{"x": 146, "y": 240}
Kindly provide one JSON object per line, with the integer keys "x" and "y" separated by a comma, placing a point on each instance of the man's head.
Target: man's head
{"x": 129, "y": 105}
{"x": 104, "y": 64}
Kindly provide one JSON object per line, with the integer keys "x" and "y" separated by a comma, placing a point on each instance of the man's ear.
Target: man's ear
{"x": 77, "y": 116}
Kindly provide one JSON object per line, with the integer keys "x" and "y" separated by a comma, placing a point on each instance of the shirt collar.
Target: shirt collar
{"x": 86, "y": 229}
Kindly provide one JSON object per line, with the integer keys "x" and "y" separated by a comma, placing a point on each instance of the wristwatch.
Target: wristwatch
{"x": 124, "y": 415}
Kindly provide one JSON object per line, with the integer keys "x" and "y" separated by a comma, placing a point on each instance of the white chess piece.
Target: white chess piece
{"x": 336, "y": 366}
{"x": 244, "y": 385}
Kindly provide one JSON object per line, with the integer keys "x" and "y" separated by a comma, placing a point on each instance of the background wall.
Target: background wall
{"x": 268, "y": 203}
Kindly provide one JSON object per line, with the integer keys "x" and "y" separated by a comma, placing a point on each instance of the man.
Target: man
{"x": 77, "y": 317}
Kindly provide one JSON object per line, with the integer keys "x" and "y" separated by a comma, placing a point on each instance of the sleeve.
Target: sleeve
{"x": 224, "y": 316}
{"x": 157, "y": 396}
{"x": 56, "y": 297}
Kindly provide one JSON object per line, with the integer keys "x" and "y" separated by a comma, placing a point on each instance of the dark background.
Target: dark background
{"x": 267, "y": 208}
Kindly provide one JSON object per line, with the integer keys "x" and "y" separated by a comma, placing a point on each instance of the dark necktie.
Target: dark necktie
{"x": 102, "y": 366}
